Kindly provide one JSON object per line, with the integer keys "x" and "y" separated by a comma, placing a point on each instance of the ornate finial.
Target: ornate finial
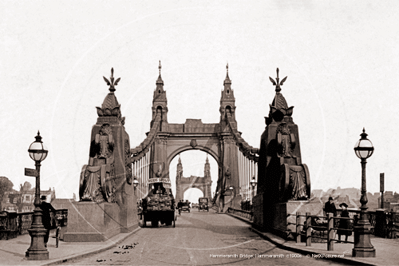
{"x": 113, "y": 83}
{"x": 159, "y": 67}
{"x": 364, "y": 134}
{"x": 227, "y": 68}
{"x": 38, "y": 137}
{"x": 278, "y": 83}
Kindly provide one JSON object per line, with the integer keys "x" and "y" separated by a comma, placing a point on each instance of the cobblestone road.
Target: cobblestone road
{"x": 200, "y": 238}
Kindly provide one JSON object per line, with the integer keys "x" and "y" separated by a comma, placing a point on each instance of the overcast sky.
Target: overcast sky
{"x": 341, "y": 59}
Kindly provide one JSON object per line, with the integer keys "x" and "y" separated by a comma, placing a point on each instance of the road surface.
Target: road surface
{"x": 199, "y": 238}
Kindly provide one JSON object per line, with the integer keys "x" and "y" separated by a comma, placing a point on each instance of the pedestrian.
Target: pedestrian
{"x": 344, "y": 224}
{"x": 46, "y": 218}
{"x": 330, "y": 207}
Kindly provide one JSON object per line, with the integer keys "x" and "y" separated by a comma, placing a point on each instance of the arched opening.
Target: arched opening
{"x": 192, "y": 195}
{"x": 193, "y": 163}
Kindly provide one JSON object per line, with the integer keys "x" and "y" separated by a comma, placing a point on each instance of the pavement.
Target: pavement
{"x": 12, "y": 252}
{"x": 387, "y": 250}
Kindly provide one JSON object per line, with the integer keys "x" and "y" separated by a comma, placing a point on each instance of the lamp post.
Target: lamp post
{"x": 135, "y": 184}
{"x": 253, "y": 185}
{"x": 37, "y": 250}
{"x": 363, "y": 247}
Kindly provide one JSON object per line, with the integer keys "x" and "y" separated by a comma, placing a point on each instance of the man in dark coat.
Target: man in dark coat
{"x": 330, "y": 206}
{"x": 46, "y": 218}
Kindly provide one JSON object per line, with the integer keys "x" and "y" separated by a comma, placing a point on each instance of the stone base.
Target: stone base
{"x": 285, "y": 214}
{"x": 276, "y": 217}
{"x": 92, "y": 222}
{"x": 259, "y": 212}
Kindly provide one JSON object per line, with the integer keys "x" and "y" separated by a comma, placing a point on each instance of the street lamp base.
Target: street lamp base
{"x": 37, "y": 250}
{"x": 363, "y": 247}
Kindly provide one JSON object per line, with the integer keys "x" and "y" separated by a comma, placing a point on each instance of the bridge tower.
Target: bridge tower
{"x": 228, "y": 181}
{"x": 159, "y": 149}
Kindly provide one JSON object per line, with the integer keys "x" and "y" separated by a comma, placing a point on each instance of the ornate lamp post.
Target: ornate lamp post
{"x": 363, "y": 247}
{"x": 135, "y": 184}
{"x": 253, "y": 185}
{"x": 37, "y": 250}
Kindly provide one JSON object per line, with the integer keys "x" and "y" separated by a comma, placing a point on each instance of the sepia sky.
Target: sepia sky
{"x": 341, "y": 59}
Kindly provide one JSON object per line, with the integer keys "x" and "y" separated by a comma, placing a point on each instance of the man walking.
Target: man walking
{"x": 46, "y": 218}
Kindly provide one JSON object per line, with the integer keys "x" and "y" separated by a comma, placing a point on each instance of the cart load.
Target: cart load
{"x": 158, "y": 206}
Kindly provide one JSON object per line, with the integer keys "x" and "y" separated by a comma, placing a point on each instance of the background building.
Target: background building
{"x": 22, "y": 200}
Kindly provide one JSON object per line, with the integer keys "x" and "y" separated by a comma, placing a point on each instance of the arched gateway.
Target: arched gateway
{"x": 220, "y": 140}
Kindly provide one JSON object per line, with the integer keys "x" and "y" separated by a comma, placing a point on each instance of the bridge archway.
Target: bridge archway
{"x": 235, "y": 159}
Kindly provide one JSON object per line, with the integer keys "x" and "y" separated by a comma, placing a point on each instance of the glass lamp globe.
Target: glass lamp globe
{"x": 37, "y": 150}
{"x": 364, "y": 148}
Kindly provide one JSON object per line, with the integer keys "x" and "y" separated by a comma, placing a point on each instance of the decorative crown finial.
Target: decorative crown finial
{"x": 112, "y": 83}
{"x": 38, "y": 137}
{"x": 159, "y": 67}
{"x": 277, "y": 82}
{"x": 227, "y": 68}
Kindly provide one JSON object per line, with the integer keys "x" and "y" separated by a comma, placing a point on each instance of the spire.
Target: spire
{"x": 159, "y": 80}
{"x": 159, "y": 100}
{"x": 179, "y": 169}
{"x": 227, "y": 99}
{"x": 227, "y": 79}
{"x": 207, "y": 168}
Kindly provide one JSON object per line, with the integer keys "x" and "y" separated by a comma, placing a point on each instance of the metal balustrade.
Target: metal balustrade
{"x": 13, "y": 224}
{"x": 242, "y": 213}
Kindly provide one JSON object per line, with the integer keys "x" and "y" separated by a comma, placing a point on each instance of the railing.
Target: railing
{"x": 244, "y": 214}
{"x": 322, "y": 227}
{"x": 13, "y": 224}
{"x": 387, "y": 224}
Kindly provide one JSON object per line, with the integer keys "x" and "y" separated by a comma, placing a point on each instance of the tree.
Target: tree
{"x": 5, "y": 185}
